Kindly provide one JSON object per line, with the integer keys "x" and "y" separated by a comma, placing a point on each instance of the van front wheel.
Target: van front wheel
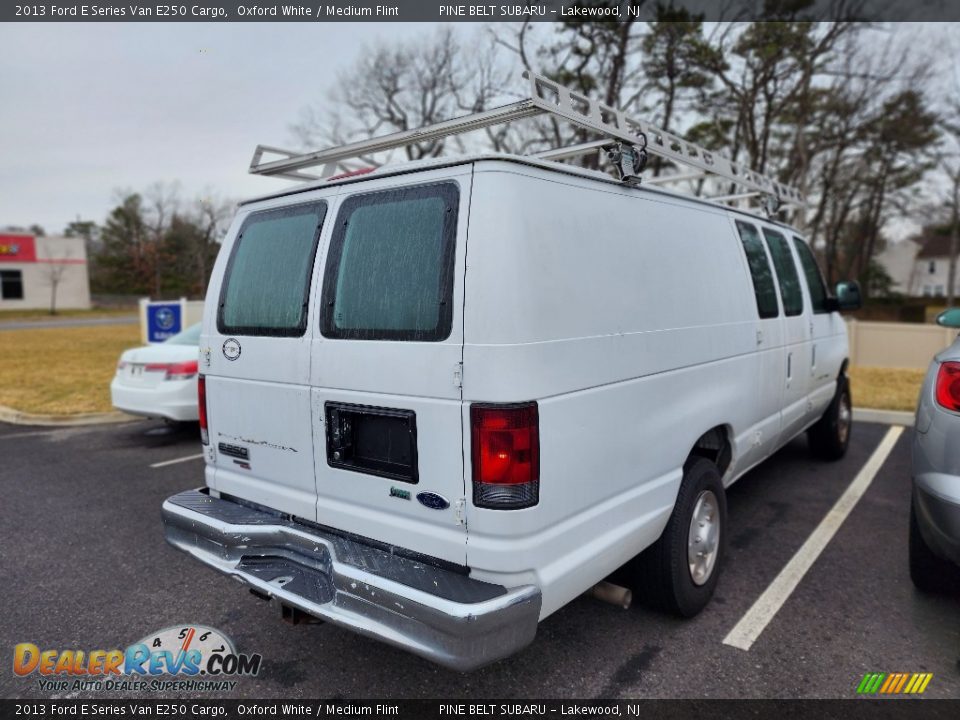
{"x": 679, "y": 572}
{"x": 829, "y": 438}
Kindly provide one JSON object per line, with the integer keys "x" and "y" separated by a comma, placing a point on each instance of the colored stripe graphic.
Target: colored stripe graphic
{"x": 894, "y": 683}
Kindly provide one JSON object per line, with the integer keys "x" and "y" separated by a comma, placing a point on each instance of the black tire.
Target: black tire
{"x": 830, "y": 437}
{"x": 661, "y": 574}
{"x": 928, "y": 571}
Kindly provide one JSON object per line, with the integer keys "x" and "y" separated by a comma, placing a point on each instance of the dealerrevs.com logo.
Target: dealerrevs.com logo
{"x": 183, "y": 657}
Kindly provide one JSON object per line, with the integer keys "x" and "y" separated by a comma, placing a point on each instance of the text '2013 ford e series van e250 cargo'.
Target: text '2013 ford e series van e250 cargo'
{"x": 440, "y": 400}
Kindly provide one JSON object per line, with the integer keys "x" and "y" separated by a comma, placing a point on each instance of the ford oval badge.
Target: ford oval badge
{"x": 432, "y": 501}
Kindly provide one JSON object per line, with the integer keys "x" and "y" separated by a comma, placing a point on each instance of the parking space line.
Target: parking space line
{"x": 177, "y": 460}
{"x": 746, "y": 632}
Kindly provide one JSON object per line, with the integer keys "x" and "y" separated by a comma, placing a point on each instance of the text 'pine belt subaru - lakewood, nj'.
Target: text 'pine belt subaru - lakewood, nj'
{"x": 440, "y": 400}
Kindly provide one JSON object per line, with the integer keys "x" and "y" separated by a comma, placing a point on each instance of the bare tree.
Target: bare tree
{"x": 402, "y": 86}
{"x": 54, "y": 271}
{"x": 950, "y": 166}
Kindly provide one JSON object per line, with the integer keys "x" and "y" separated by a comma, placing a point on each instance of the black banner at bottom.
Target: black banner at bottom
{"x": 428, "y": 709}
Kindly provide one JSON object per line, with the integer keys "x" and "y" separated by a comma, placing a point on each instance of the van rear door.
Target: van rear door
{"x": 386, "y": 363}
{"x": 255, "y": 355}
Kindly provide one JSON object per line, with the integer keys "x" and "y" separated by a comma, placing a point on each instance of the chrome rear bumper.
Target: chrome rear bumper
{"x": 437, "y": 613}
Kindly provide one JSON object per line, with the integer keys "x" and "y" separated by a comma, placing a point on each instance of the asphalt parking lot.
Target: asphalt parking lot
{"x": 84, "y": 565}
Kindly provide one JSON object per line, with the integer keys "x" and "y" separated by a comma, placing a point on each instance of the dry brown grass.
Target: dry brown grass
{"x": 62, "y": 371}
{"x": 885, "y": 388}
{"x": 38, "y": 315}
{"x": 68, "y": 370}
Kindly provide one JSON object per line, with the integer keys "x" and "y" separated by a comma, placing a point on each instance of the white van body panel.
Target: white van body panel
{"x": 628, "y": 315}
{"x": 631, "y": 319}
{"x": 416, "y": 376}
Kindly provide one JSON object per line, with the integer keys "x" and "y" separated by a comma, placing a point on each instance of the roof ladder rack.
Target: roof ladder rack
{"x": 627, "y": 141}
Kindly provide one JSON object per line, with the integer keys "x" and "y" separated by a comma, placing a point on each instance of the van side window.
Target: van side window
{"x": 760, "y": 270}
{"x": 811, "y": 271}
{"x": 267, "y": 283}
{"x": 389, "y": 273}
{"x": 790, "y": 291}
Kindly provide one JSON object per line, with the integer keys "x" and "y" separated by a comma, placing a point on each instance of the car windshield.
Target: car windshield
{"x": 190, "y": 336}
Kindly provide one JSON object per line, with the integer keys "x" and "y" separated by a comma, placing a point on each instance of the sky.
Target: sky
{"x": 87, "y": 110}
{"x": 90, "y": 110}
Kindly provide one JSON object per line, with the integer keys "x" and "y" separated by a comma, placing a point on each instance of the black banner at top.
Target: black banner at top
{"x": 462, "y": 11}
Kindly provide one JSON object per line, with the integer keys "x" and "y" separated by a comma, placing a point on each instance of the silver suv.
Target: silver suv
{"x": 935, "y": 505}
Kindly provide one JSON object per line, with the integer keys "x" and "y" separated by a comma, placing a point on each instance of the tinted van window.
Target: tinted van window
{"x": 815, "y": 284}
{"x": 790, "y": 291}
{"x": 760, "y": 270}
{"x": 267, "y": 282}
{"x": 389, "y": 273}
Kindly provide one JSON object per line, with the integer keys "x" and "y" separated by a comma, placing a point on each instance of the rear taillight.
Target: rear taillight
{"x": 948, "y": 386}
{"x": 174, "y": 371}
{"x": 183, "y": 370}
{"x": 505, "y": 450}
{"x": 202, "y": 406}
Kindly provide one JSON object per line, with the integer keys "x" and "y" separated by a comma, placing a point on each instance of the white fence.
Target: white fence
{"x": 896, "y": 345}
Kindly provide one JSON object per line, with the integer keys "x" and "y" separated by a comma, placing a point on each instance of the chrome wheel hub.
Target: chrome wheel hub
{"x": 704, "y": 538}
{"x": 844, "y": 418}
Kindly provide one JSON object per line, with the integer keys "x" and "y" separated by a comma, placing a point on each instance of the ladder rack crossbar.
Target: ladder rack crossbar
{"x": 545, "y": 97}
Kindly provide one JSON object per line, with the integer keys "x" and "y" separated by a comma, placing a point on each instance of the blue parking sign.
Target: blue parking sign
{"x": 163, "y": 321}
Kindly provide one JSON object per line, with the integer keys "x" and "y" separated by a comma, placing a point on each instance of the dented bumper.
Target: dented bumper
{"x": 435, "y": 612}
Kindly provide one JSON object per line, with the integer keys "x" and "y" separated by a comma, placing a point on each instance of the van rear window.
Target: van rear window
{"x": 389, "y": 273}
{"x": 267, "y": 284}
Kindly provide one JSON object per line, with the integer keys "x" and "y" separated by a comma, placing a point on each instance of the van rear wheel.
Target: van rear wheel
{"x": 830, "y": 436}
{"x": 679, "y": 572}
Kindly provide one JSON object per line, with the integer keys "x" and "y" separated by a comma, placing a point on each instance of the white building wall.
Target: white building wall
{"x": 930, "y": 276}
{"x": 898, "y": 259}
{"x": 63, "y": 255}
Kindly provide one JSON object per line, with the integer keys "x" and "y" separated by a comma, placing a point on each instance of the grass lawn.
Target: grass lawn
{"x": 40, "y": 315}
{"x": 885, "y": 388}
{"x": 68, "y": 370}
{"x": 62, "y": 370}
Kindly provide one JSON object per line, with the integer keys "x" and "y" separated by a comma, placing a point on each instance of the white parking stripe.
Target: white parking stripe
{"x": 746, "y": 632}
{"x": 176, "y": 460}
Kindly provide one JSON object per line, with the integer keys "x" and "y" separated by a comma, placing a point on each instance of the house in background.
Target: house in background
{"x": 932, "y": 268}
{"x": 920, "y": 266}
{"x": 899, "y": 260}
{"x": 30, "y": 268}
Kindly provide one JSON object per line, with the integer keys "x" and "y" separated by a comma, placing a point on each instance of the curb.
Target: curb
{"x": 887, "y": 417}
{"x": 16, "y": 417}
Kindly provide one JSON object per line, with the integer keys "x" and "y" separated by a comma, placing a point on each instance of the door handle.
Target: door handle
{"x": 789, "y": 365}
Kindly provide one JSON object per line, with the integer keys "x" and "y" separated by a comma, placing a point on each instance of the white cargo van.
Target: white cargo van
{"x": 440, "y": 400}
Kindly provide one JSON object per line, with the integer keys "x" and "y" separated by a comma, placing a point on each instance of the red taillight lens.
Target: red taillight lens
{"x": 505, "y": 450}
{"x": 174, "y": 371}
{"x": 183, "y": 370}
{"x": 948, "y": 386}
{"x": 202, "y": 405}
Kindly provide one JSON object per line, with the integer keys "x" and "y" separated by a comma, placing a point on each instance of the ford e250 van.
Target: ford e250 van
{"x": 440, "y": 400}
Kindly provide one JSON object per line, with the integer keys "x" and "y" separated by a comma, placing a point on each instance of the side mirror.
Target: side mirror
{"x": 848, "y": 296}
{"x": 949, "y": 318}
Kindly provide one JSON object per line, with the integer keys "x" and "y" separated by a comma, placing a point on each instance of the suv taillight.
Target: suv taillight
{"x": 202, "y": 405}
{"x": 505, "y": 450}
{"x": 948, "y": 386}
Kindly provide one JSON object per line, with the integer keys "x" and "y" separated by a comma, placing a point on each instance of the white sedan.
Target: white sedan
{"x": 160, "y": 380}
